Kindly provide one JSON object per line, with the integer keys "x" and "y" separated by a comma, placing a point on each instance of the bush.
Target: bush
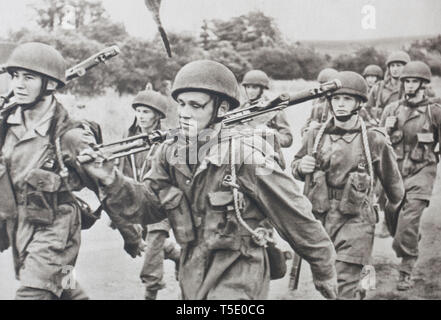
{"x": 358, "y": 60}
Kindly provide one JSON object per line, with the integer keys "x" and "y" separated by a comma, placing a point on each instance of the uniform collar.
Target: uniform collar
{"x": 42, "y": 127}
{"x": 348, "y": 135}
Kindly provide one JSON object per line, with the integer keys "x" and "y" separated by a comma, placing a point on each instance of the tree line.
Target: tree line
{"x": 251, "y": 41}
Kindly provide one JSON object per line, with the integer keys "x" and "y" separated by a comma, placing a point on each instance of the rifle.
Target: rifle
{"x": 142, "y": 142}
{"x": 76, "y": 71}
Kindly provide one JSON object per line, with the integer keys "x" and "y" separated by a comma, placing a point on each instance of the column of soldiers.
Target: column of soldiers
{"x": 222, "y": 204}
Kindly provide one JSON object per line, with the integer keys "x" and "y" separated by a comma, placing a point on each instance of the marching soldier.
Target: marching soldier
{"x": 215, "y": 203}
{"x": 344, "y": 158}
{"x": 320, "y": 107}
{"x": 414, "y": 124}
{"x": 39, "y": 144}
{"x": 150, "y": 107}
{"x": 255, "y": 83}
{"x": 388, "y": 90}
{"x": 372, "y": 74}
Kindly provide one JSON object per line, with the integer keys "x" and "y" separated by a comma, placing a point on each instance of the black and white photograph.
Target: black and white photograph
{"x": 228, "y": 150}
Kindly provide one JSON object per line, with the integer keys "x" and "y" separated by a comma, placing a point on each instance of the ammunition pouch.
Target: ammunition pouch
{"x": 318, "y": 193}
{"x": 355, "y": 192}
{"x": 421, "y": 154}
{"x": 8, "y": 207}
{"x": 277, "y": 261}
{"x": 220, "y": 225}
{"x": 41, "y": 196}
{"x": 181, "y": 221}
{"x": 396, "y": 138}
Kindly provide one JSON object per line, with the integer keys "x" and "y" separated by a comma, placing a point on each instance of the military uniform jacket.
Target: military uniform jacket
{"x": 381, "y": 94}
{"x": 267, "y": 192}
{"x": 140, "y": 164}
{"x": 276, "y": 121}
{"x": 414, "y": 139}
{"x": 339, "y": 154}
{"x": 341, "y": 151}
{"x": 24, "y": 151}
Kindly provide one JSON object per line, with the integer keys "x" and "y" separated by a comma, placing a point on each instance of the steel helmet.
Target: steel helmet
{"x": 373, "y": 70}
{"x": 398, "y": 56}
{"x": 256, "y": 77}
{"x": 151, "y": 99}
{"x": 208, "y": 76}
{"x": 326, "y": 75}
{"x": 352, "y": 84}
{"x": 40, "y": 58}
{"x": 416, "y": 69}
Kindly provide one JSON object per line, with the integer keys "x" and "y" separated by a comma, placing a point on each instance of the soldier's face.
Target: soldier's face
{"x": 195, "y": 112}
{"x": 343, "y": 104}
{"x": 371, "y": 80}
{"x": 411, "y": 85}
{"x": 253, "y": 91}
{"x": 145, "y": 116}
{"x": 395, "y": 69}
{"x": 26, "y": 86}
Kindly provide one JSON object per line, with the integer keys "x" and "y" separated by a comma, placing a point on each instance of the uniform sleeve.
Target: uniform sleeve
{"x": 146, "y": 202}
{"x": 281, "y": 200}
{"x": 281, "y": 125}
{"x": 372, "y": 97}
{"x": 75, "y": 141}
{"x": 386, "y": 113}
{"x": 386, "y": 168}
{"x": 295, "y": 164}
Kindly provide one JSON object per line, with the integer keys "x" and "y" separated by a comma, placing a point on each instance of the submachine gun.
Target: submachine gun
{"x": 75, "y": 72}
{"x": 143, "y": 142}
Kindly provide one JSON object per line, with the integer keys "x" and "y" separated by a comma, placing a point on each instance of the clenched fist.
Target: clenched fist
{"x": 307, "y": 165}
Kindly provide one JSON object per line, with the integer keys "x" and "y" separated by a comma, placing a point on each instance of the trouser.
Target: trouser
{"x": 353, "y": 239}
{"x": 224, "y": 274}
{"x": 158, "y": 248}
{"x": 28, "y": 293}
{"x": 406, "y": 239}
{"x": 348, "y": 277}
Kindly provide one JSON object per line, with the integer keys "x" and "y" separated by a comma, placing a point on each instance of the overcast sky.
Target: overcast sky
{"x": 297, "y": 19}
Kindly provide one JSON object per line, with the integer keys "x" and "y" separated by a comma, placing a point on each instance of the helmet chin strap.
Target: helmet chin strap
{"x": 413, "y": 95}
{"x": 346, "y": 117}
{"x": 258, "y": 96}
{"x": 44, "y": 92}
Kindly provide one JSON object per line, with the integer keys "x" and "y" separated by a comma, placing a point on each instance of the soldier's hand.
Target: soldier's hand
{"x": 390, "y": 122}
{"x": 307, "y": 165}
{"x": 135, "y": 249}
{"x": 328, "y": 288}
{"x": 99, "y": 168}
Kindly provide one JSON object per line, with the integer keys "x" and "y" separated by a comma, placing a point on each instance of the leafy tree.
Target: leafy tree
{"x": 288, "y": 62}
{"x": 104, "y": 31}
{"x": 358, "y": 60}
{"x": 51, "y": 13}
{"x": 429, "y": 51}
{"x": 244, "y": 33}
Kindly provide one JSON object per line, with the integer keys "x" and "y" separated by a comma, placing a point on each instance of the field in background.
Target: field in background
{"x": 105, "y": 271}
